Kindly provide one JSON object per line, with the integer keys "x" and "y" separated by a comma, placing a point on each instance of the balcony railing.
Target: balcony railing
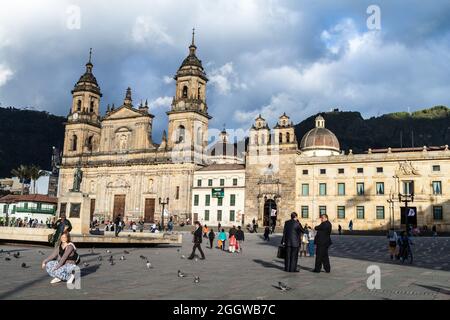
{"x": 36, "y": 210}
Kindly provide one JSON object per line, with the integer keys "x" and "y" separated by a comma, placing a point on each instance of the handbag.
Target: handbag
{"x": 281, "y": 254}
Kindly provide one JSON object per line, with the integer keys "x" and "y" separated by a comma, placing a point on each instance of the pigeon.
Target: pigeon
{"x": 126, "y": 252}
{"x": 8, "y": 259}
{"x": 99, "y": 258}
{"x": 196, "y": 279}
{"x": 86, "y": 264}
{"x": 24, "y": 265}
{"x": 16, "y": 255}
{"x": 143, "y": 257}
{"x": 149, "y": 265}
{"x": 181, "y": 274}
{"x": 108, "y": 251}
{"x": 283, "y": 287}
{"x": 41, "y": 253}
{"x": 183, "y": 256}
{"x": 178, "y": 250}
{"x": 122, "y": 258}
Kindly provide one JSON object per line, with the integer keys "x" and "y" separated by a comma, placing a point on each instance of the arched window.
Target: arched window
{"x": 79, "y": 105}
{"x": 280, "y": 138}
{"x": 181, "y": 134}
{"x": 288, "y": 137}
{"x": 263, "y": 139}
{"x": 255, "y": 139}
{"x": 185, "y": 92}
{"x": 91, "y": 109}
{"x": 199, "y": 92}
{"x": 89, "y": 143}
{"x": 74, "y": 143}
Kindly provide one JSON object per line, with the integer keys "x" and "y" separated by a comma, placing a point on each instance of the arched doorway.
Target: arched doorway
{"x": 270, "y": 212}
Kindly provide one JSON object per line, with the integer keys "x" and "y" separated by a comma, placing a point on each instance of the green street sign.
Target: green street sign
{"x": 217, "y": 192}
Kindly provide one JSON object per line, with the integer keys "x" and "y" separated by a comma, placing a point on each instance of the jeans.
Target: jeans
{"x": 311, "y": 248}
{"x": 62, "y": 273}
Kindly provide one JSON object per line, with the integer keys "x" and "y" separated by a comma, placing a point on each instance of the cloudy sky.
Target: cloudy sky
{"x": 261, "y": 56}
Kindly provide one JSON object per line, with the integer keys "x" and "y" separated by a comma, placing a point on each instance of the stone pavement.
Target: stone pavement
{"x": 251, "y": 275}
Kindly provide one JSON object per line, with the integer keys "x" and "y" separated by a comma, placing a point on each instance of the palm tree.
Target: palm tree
{"x": 23, "y": 173}
{"x": 35, "y": 173}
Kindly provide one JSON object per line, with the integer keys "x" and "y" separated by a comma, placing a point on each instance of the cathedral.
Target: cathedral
{"x": 122, "y": 170}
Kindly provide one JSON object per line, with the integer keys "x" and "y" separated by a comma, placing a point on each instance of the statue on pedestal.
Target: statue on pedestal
{"x": 77, "y": 178}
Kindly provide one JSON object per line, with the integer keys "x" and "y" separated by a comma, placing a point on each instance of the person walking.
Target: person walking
{"x": 311, "y": 235}
{"x": 211, "y": 237}
{"x": 291, "y": 240}
{"x": 434, "y": 230}
{"x": 350, "y": 226}
{"x": 323, "y": 242}
{"x": 393, "y": 238}
{"x": 63, "y": 260}
{"x": 205, "y": 231}
{"x": 117, "y": 225}
{"x": 232, "y": 244}
{"x": 240, "y": 238}
{"x": 232, "y": 232}
{"x": 255, "y": 226}
{"x": 197, "y": 240}
{"x": 222, "y": 238}
{"x": 266, "y": 234}
{"x": 61, "y": 225}
{"x": 340, "y": 230}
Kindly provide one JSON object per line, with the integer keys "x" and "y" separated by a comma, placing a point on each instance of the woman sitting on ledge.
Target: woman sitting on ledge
{"x": 62, "y": 262}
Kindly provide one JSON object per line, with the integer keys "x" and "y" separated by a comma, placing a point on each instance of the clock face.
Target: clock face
{"x": 75, "y": 116}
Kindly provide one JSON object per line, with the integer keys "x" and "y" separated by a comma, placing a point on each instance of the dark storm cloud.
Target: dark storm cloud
{"x": 261, "y": 56}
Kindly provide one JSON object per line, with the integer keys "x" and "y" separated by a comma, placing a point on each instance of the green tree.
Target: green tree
{"x": 23, "y": 173}
{"x": 35, "y": 173}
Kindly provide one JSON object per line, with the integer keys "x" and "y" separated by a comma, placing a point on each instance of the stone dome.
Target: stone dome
{"x": 320, "y": 139}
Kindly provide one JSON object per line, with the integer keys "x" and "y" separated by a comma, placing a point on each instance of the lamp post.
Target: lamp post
{"x": 406, "y": 198}
{"x": 163, "y": 204}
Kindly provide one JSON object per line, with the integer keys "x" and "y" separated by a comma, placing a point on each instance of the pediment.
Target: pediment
{"x": 123, "y": 112}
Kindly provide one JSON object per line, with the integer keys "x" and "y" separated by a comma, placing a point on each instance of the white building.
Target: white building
{"x": 218, "y": 191}
{"x": 30, "y": 206}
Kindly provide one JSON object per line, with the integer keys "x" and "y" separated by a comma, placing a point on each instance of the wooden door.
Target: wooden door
{"x": 119, "y": 206}
{"x": 92, "y": 209}
{"x": 149, "y": 211}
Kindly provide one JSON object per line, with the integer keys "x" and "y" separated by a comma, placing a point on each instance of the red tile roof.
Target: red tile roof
{"x": 10, "y": 198}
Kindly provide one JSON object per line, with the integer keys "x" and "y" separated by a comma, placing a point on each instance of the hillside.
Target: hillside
{"x": 27, "y": 137}
{"x": 430, "y": 127}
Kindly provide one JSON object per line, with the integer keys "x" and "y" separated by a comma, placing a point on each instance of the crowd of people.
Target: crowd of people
{"x": 27, "y": 222}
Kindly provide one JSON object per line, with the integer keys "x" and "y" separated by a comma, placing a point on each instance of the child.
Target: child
{"x": 266, "y": 234}
{"x": 233, "y": 243}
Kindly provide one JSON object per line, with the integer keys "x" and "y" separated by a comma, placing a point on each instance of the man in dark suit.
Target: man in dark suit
{"x": 197, "y": 241}
{"x": 291, "y": 240}
{"x": 323, "y": 242}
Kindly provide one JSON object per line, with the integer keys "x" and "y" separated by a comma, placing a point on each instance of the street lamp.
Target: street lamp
{"x": 406, "y": 198}
{"x": 163, "y": 204}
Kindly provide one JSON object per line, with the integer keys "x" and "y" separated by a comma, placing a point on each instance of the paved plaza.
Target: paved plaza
{"x": 254, "y": 274}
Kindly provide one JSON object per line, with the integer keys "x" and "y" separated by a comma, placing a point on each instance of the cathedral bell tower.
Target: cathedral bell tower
{"x": 188, "y": 117}
{"x": 82, "y": 131}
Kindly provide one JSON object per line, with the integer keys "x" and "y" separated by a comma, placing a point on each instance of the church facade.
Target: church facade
{"x": 376, "y": 190}
{"x": 124, "y": 172}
